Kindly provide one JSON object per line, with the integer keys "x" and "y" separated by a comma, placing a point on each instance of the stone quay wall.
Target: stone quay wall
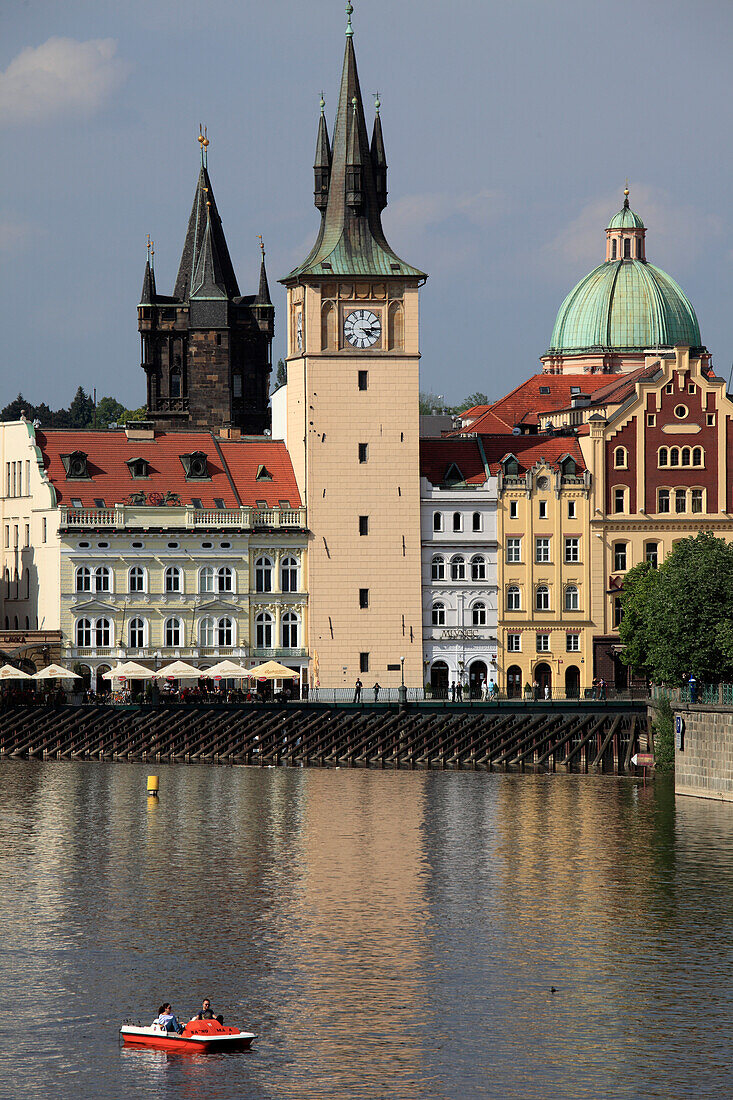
{"x": 703, "y": 763}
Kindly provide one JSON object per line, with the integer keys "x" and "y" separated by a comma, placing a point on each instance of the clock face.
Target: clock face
{"x": 362, "y": 328}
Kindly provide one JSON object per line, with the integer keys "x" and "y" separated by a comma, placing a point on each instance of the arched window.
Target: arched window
{"x": 136, "y": 633}
{"x": 207, "y": 579}
{"x": 103, "y": 633}
{"x": 136, "y": 578}
{"x": 396, "y": 322}
{"x": 478, "y": 568}
{"x": 263, "y": 630}
{"x": 513, "y": 598}
{"x": 83, "y": 633}
{"x": 478, "y": 614}
{"x": 83, "y": 579}
{"x": 438, "y": 615}
{"x": 663, "y": 456}
{"x": 572, "y": 598}
{"x": 225, "y": 632}
{"x": 542, "y": 598}
{"x": 173, "y": 579}
{"x": 289, "y": 628}
{"x": 613, "y": 249}
{"x": 263, "y": 575}
{"x": 674, "y": 456}
{"x": 477, "y": 521}
{"x": 627, "y": 248}
{"x": 437, "y": 568}
{"x": 206, "y": 633}
{"x": 329, "y": 340}
{"x": 289, "y": 575}
{"x": 457, "y": 521}
{"x": 685, "y": 457}
{"x": 697, "y": 456}
{"x": 102, "y": 578}
{"x": 619, "y": 458}
{"x": 176, "y": 389}
{"x": 172, "y": 633}
{"x": 225, "y": 579}
{"x": 458, "y": 568}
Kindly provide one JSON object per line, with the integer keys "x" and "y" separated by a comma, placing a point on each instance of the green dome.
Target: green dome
{"x": 625, "y": 305}
{"x": 626, "y": 219}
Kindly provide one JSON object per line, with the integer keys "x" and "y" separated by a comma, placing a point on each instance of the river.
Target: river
{"x": 387, "y": 934}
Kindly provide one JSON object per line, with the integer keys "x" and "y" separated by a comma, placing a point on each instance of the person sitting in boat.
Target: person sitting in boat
{"x": 207, "y": 1012}
{"x": 167, "y": 1020}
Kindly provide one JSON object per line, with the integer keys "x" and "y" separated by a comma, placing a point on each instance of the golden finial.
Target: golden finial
{"x": 152, "y": 253}
{"x": 148, "y": 248}
{"x": 626, "y": 193}
{"x": 262, "y": 243}
{"x": 204, "y": 143}
{"x": 201, "y": 136}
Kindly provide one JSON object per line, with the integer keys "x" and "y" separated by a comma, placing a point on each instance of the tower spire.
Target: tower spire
{"x": 204, "y": 224}
{"x": 322, "y": 165}
{"x": 147, "y": 297}
{"x": 379, "y": 159}
{"x": 263, "y": 294}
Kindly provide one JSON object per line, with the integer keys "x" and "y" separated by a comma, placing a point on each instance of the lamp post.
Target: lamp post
{"x": 403, "y": 689}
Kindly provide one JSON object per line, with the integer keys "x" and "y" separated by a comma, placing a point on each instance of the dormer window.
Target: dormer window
{"x": 544, "y": 389}
{"x": 263, "y": 474}
{"x": 75, "y": 464}
{"x": 511, "y": 466}
{"x": 452, "y": 473}
{"x": 138, "y": 467}
{"x": 196, "y": 466}
{"x": 569, "y": 467}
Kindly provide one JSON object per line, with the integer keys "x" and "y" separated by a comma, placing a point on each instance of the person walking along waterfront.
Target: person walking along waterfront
{"x": 357, "y": 691}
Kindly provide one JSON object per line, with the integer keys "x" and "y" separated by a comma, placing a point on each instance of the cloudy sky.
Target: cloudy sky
{"x": 510, "y": 131}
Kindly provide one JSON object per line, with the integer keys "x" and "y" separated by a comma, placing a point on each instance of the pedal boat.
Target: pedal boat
{"x": 199, "y": 1036}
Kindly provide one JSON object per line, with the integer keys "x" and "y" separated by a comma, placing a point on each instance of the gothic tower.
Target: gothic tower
{"x": 351, "y": 413}
{"x": 206, "y": 350}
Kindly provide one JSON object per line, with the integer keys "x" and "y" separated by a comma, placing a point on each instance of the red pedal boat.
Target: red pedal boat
{"x": 198, "y": 1036}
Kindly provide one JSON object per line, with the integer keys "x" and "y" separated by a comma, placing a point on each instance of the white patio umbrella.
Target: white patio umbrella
{"x": 129, "y": 670}
{"x": 7, "y": 672}
{"x": 179, "y": 670}
{"x": 55, "y": 672}
{"x": 227, "y": 670}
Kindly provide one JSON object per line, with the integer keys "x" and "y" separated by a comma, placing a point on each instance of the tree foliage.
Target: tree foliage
{"x": 81, "y": 414}
{"x": 663, "y": 734}
{"x": 433, "y": 404}
{"x": 677, "y": 619}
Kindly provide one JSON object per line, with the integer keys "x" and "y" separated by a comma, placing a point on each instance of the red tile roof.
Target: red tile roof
{"x": 524, "y": 403}
{"x": 112, "y": 482}
{"x": 437, "y": 455}
{"x": 530, "y": 449}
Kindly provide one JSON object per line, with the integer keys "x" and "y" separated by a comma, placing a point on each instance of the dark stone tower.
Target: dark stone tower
{"x": 206, "y": 350}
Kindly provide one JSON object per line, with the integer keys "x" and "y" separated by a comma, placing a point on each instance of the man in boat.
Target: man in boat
{"x": 207, "y": 1013}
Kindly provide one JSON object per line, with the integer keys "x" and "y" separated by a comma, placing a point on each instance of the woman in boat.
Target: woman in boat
{"x": 167, "y": 1020}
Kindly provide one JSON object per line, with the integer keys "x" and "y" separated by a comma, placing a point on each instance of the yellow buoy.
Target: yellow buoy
{"x": 153, "y": 784}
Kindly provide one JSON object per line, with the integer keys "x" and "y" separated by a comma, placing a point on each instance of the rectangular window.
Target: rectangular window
{"x": 663, "y": 500}
{"x": 514, "y": 643}
{"x": 618, "y": 613}
{"x": 363, "y": 379}
{"x": 363, "y": 450}
{"x": 619, "y": 500}
{"x": 363, "y": 525}
{"x": 363, "y": 662}
{"x": 513, "y": 550}
{"x": 28, "y": 533}
{"x": 572, "y": 643}
{"x": 572, "y": 549}
{"x": 542, "y": 550}
{"x": 669, "y": 388}
{"x": 571, "y": 509}
{"x": 543, "y": 643}
{"x": 710, "y": 418}
{"x": 28, "y": 477}
{"x": 692, "y": 388}
{"x": 43, "y": 525}
{"x": 513, "y": 509}
{"x": 651, "y": 420}
{"x": 619, "y": 557}
{"x": 652, "y": 553}
{"x": 237, "y": 385}
{"x": 543, "y": 509}
{"x": 363, "y": 597}
{"x": 7, "y": 479}
{"x": 697, "y": 500}
{"x": 680, "y": 500}
{"x": 7, "y": 535}
{"x": 16, "y": 536}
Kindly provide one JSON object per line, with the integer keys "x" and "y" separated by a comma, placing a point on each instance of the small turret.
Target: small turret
{"x": 262, "y": 306}
{"x": 322, "y": 166}
{"x": 148, "y": 295}
{"x": 354, "y": 163}
{"x": 379, "y": 159}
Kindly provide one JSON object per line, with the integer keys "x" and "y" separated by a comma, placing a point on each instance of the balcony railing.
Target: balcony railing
{"x": 157, "y": 514}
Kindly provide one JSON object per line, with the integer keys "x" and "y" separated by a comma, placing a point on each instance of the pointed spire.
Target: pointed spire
{"x": 379, "y": 158}
{"x": 205, "y": 219}
{"x": 322, "y": 166}
{"x": 208, "y": 279}
{"x": 148, "y": 295}
{"x": 263, "y": 294}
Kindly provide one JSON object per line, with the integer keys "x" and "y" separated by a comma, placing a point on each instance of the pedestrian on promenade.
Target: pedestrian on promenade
{"x": 693, "y": 688}
{"x": 357, "y": 691}
{"x": 459, "y": 691}
{"x": 601, "y": 688}
{"x": 536, "y": 689}
{"x": 547, "y": 691}
{"x": 484, "y": 690}
{"x": 376, "y": 689}
{"x": 453, "y": 691}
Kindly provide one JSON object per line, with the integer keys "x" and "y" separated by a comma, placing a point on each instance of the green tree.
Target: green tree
{"x": 13, "y": 410}
{"x": 110, "y": 411}
{"x": 281, "y": 377}
{"x": 133, "y": 414}
{"x": 679, "y": 616}
{"x": 431, "y": 404}
{"x": 81, "y": 411}
{"x": 477, "y": 398}
{"x": 663, "y": 734}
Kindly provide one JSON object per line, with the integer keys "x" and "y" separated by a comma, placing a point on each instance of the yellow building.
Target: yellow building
{"x": 349, "y": 413}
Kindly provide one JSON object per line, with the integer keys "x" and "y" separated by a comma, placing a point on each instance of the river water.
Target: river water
{"x": 387, "y": 934}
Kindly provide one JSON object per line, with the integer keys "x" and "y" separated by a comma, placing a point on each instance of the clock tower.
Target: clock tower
{"x": 350, "y": 412}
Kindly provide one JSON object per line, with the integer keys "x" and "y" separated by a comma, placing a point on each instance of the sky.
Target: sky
{"x": 510, "y": 131}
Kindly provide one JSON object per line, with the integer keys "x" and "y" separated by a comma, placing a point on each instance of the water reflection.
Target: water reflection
{"x": 387, "y": 934}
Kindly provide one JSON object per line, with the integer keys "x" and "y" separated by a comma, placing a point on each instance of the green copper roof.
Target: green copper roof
{"x": 625, "y": 305}
{"x": 626, "y": 219}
